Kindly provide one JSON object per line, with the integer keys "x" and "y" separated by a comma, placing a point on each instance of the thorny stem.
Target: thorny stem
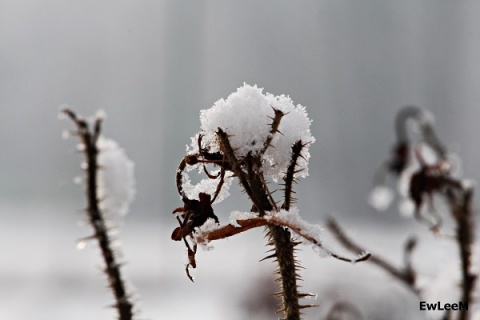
{"x": 248, "y": 169}
{"x": 287, "y": 269}
{"x": 289, "y": 178}
{"x": 458, "y": 197}
{"x": 405, "y": 275}
{"x": 462, "y": 211}
{"x": 432, "y": 179}
{"x": 280, "y": 237}
{"x": 95, "y": 215}
{"x": 237, "y": 169}
{"x": 273, "y": 130}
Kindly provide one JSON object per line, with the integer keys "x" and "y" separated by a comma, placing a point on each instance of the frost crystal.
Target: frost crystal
{"x": 246, "y": 116}
{"x": 116, "y": 181}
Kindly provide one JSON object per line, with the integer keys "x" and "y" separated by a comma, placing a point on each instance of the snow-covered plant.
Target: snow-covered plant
{"x": 110, "y": 187}
{"x": 425, "y": 169}
{"x": 257, "y": 139}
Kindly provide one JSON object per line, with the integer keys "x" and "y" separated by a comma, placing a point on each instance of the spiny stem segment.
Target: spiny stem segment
{"x": 289, "y": 178}
{"x": 287, "y": 270}
{"x": 273, "y": 129}
{"x": 280, "y": 237}
{"x": 248, "y": 169}
{"x": 236, "y": 167}
{"x": 429, "y": 180}
{"x": 89, "y": 139}
{"x": 461, "y": 206}
{"x": 405, "y": 275}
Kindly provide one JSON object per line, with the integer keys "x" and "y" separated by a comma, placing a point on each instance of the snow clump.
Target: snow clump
{"x": 246, "y": 116}
{"x": 116, "y": 180}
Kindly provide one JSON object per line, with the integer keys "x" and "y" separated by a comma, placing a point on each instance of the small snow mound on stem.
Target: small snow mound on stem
{"x": 116, "y": 181}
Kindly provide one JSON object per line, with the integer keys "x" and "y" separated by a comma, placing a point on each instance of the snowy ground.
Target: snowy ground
{"x": 44, "y": 277}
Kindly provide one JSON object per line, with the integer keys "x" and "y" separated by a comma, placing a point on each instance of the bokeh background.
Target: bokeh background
{"x": 152, "y": 66}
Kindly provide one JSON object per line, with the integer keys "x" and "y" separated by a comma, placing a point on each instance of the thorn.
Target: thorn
{"x": 274, "y": 255}
{"x": 92, "y": 237}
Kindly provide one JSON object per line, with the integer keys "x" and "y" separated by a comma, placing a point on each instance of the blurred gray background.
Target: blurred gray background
{"x": 152, "y": 66}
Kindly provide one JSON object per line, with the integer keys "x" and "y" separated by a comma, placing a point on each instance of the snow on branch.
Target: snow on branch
{"x": 243, "y": 221}
{"x": 116, "y": 180}
{"x": 109, "y": 187}
{"x": 258, "y": 139}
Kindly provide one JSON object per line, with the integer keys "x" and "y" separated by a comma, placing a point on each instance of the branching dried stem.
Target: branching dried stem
{"x": 436, "y": 179}
{"x": 237, "y": 169}
{"x": 265, "y": 212}
{"x": 229, "y": 230}
{"x": 406, "y": 275}
{"x": 254, "y": 185}
{"x": 89, "y": 139}
{"x": 461, "y": 206}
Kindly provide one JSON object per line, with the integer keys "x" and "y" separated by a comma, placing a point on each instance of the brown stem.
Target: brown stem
{"x": 273, "y": 129}
{"x": 280, "y": 237}
{"x": 237, "y": 169}
{"x": 290, "y": 175}
{"x": 461, "y": 204}
{"x": 96, "y": 219}
{"x": 247, "y": 224}
{"x": 406, "y": 276}
{"x": 287, "y": 269}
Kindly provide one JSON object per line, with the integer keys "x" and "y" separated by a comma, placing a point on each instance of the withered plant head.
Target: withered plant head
{"x": 431, "y": 178}
{"x": 256, "y": 139}
{"x": 408, "y": 159}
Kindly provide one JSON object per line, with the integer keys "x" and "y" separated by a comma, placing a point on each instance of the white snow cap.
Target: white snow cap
{"x": 116, "y": 180}
{"x": 246, "y": 117}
